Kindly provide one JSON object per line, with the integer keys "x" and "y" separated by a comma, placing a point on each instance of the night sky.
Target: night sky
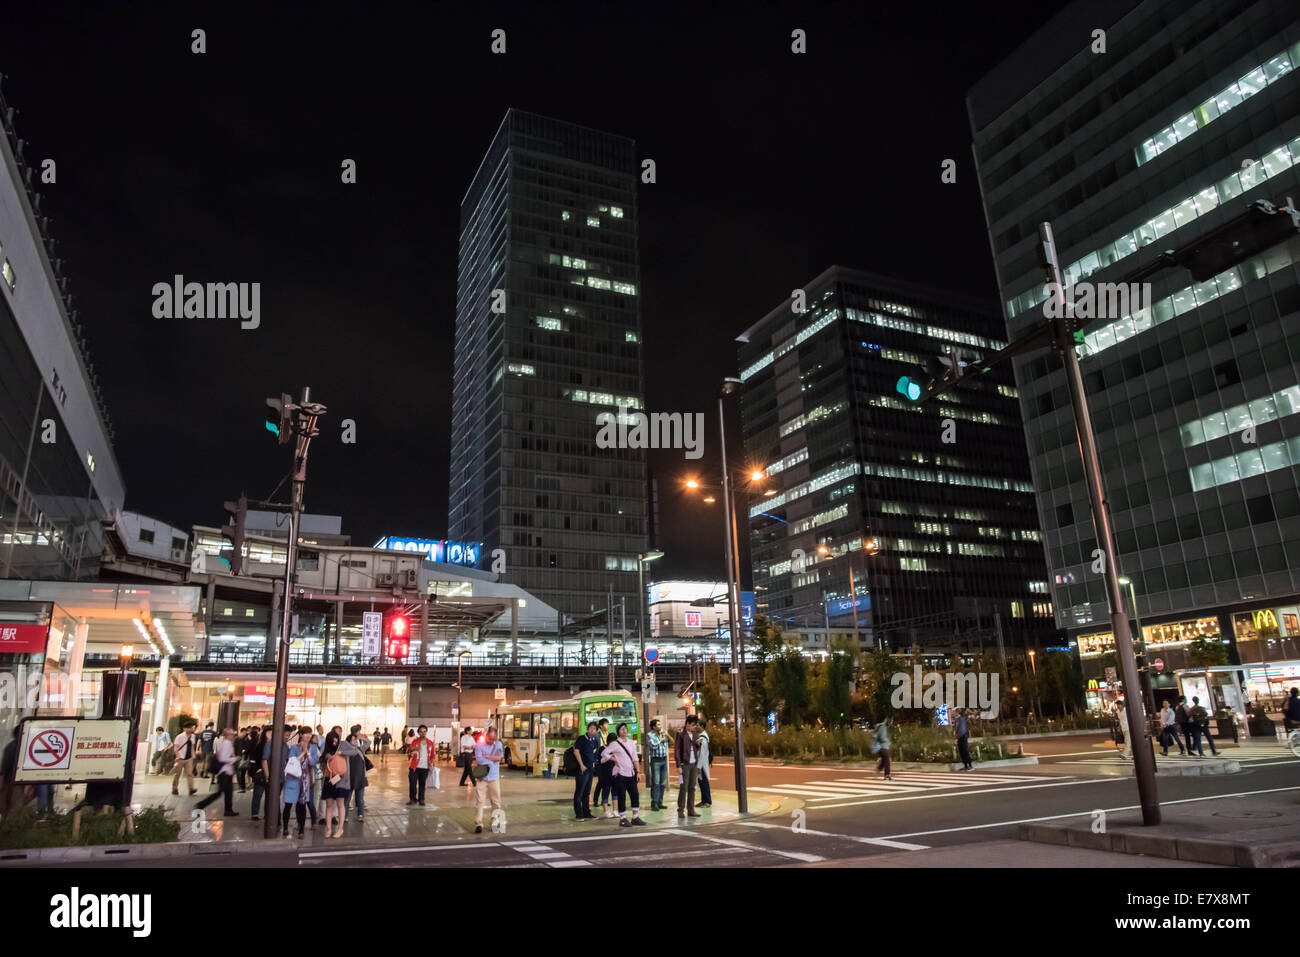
{"x": 225, "y": 167}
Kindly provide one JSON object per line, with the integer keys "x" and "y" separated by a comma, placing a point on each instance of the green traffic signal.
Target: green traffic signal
{"x": 909, "y": 388}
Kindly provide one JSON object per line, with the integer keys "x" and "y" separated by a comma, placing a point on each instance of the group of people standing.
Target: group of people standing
{"x": 609, "y": 763}
{"x": 1181, "y": 724}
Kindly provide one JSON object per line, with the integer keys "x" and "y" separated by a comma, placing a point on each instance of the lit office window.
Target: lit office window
{"x": 630, "y": 336}
{"x": 8, "y": 271}
{"x": 593, "y": 221}
{"x": 616, "y": 212}
{"x": 520, "y": 368}
{"x": 566, "y": 216}
{"x": 595, "y": 282}
{"x": 626, "y": 288}
{"x": 550, "y": 324}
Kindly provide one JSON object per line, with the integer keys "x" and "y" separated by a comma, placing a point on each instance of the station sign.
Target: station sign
{"x": 23, "y": 638}
{"x": 68, "y": 749}
{"x": 436, "y": 550}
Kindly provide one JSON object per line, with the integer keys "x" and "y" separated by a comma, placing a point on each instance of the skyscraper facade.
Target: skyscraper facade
{"x": 1188, "y": 113}
{"x": 548, "y": 337}
{"x": 939, "y": 492}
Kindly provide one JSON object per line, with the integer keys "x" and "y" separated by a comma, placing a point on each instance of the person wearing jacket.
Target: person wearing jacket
{"x": 880, "y": 745}
{"x": 1199, "y": 719}
{"x": 357, "y": 771}
{"x": 1168, "y": 729}
{"x": 421, "y": 752}
{"x": 1183, "y": 721}
{"x": 296, "y": 791}
{"x": 703, "y": 760}
{"x": 1291, "y": 711}
{"x": 687, "y": 756}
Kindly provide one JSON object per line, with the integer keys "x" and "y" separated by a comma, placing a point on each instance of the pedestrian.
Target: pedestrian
{"x": 385, "y": 740}
{"x": 488, "y": 752}
{"x": 161, "y": 742}
{"x": 1291, "y": 711}
{"x": 1121, "y": 716}
{"x": 358, "y": 765}
{"x": 408, "y": 740}
{"x": 703, "y": 760}
{"x": 299, "y": 767}
{"x": 262, "y": 772}
{"x": 1168, "y": 730}
{"x": 225, "y": 759}
{"x": 1200, "y": 721}
{"x": 208, "y": 742}
{"x": 245, "y": 755}
{"x": 186, "y": 747}
{"x": 657, "y": 743}
{"x": 467, "y": 743}
{"x": 337, "y": 785}
{"x": 880, "y": 747}
{"x": 1183, "y": 721}
{"x": 585, "y": 749}
{"x": 963, "y": 740}
{"x": 604, "y": 771}
{"x": 314, "y": 743}
{"x": 421, "y": 753}
{"x": 687, "y": 756}
{"x": 621, "y": 755}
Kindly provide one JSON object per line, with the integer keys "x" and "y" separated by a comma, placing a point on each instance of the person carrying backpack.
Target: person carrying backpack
{"x": 1291, "y": 711}
{"x": 880, "y": 746}
{"x": 1200, "y": 721}
{"x": 1183, "y": 722}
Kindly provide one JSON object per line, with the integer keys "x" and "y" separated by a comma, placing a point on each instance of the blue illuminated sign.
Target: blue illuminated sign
{"x": 844, "y": 606}
{"x": 436, "y": 550}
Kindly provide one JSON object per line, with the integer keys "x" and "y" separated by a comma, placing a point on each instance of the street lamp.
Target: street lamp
{"x": 1038, "y": 702}
{"x": 728, "y": 387}
{"x": 642, "y": 601}
{"x": 125, "y": 654}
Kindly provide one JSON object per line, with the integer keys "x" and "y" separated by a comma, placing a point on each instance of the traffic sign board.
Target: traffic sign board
{"x": 1158, "y": 664}
{"x": 372, "y": 627}
{"x": 51, "y": 748}
{"x": 651, "y": 655}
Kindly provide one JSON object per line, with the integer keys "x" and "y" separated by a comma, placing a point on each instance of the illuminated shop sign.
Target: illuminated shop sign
{"x": 1172, "y": 633}
{"x": 1264, "y": 618}
{"x": 436, "y": 550}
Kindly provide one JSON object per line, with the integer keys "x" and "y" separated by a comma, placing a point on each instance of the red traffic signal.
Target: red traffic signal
{"x": 399, "y": 637}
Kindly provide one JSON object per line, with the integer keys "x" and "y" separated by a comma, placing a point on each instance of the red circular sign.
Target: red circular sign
{"x": 1159, "y": 664}
{"x": 48, "y": 748}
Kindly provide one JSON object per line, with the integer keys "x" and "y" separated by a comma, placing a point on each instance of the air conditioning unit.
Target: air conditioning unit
{"x": 385, "y": 578}
{"x": 410, "y": 577}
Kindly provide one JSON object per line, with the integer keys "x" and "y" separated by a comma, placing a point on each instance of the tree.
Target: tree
{"x": 786, "y": 684}
{"x": 712, "y": 705}
{"x": 831, "y": 697}
{"x": 878, "y": 670}
{"x": 1206, "y": 652}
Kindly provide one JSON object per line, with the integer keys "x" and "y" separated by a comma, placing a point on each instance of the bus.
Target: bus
{"x": 533, "y": 729}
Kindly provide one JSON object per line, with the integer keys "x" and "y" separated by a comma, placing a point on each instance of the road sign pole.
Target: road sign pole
{"x": 1144, "y": 762}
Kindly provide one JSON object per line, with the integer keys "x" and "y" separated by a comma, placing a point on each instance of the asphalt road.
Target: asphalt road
{"x": 830, "y": 813}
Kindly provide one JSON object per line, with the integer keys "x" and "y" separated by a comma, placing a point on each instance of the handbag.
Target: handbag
{"x": 369, "y": 766}
{"x": 293, "y": 767}
{"x": 480, "y": 771}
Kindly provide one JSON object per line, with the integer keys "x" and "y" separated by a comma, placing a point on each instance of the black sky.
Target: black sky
{"x": 226, "y": 167}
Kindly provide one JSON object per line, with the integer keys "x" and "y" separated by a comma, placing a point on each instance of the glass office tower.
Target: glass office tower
{"x": 1191, "y": 114}
{"x": 550, "y": 221}
{"x": 942, "y": 488}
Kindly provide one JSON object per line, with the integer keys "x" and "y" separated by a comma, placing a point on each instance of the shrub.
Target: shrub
{"x": 25, "y": 828}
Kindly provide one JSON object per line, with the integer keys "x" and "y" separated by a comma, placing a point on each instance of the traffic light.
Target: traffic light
{"x": 945, "y": 368}
{"x": 233, "y": 532}
{"x": 909, "y": 388}
{"x": 399, "y": 637}
{"x": 1262, "y": 225}
{"x": 279, "y": 417}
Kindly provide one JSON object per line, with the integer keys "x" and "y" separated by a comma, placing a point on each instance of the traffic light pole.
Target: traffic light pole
{"x": 733, "y": 605}
{"x": 1144, "y": 761}
{"x": 305, "y": 414}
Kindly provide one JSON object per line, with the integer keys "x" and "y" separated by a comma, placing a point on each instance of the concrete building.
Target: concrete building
{"x": 548, "y": 337}
{"x": 1190, "y": 115}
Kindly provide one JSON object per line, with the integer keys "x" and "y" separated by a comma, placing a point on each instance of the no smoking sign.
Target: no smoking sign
{"x": 50, "y": 749}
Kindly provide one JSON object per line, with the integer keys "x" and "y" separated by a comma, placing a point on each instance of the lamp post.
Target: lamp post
{"x": 643, "y": 601}
{"x": 1038, "y": 701}
{"x": 730, "y": 386}
{"x": 125, "y": 654}
{"x": 1141, "y": 644}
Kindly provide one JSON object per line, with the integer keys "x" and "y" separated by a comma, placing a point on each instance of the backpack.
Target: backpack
{"x": 337, "y": 765}
{"x": 1180, "y": 714}
{"x": 571, "y": 761}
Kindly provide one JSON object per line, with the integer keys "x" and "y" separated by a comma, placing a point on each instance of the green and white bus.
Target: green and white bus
{"x": 532, "y": 729}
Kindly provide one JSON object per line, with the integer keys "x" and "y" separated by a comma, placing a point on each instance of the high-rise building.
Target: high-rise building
{"x": 1190, "y": 114}
{"x": 59, "y": 478}
{"x": 938, "y": 492}
{"x": 548, "y": 337}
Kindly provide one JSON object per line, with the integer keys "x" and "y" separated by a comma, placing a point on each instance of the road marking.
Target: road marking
{"x": 1109, "y": 810}
{"x": 545, "y": 854}
{"x": 732, "y": 842}
{"x": 957, "y": 792}
{"x": 907, "y": 782}
{"x": 880, "y": 841}
{"x": 393, "y": 850}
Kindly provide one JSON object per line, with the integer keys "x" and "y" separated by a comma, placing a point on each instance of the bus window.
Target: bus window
{"x": 568, "y": 728}
{"x": 616, "y": 710}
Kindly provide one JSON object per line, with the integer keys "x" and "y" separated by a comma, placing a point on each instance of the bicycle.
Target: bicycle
{"x": 1291, "y": 739}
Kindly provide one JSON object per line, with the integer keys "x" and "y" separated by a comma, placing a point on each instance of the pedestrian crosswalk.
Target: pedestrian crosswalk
{"x": 903, "y": 782}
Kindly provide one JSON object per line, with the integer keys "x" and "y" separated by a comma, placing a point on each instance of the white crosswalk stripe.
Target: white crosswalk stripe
{"x": 545, "y": 854}
{"x": 903, "y": 782}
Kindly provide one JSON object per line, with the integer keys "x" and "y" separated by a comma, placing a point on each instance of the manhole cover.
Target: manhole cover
{"x": 1255, "y": 814}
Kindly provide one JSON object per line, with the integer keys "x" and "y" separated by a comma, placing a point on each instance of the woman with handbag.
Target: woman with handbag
{"x": 299, "y": 769}
{"x": 336, "y": 786}
{"x": 621, "y": 755}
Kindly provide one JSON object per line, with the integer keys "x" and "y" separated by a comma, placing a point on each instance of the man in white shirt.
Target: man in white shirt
{"x": 224, "y": 751}
{"x": 161, "y": 739}
{"x": 186, "y": 747}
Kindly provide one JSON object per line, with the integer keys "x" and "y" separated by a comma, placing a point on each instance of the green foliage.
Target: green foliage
{"x": 177, "y": 722}
{"x": 830, "y": 689}
{"x": 878, "y": 668}
{"x": 712, "y": 705}
{"x": 1205, "y": 652}
{"x": 786, "y": 684}
{"x": 25, "y": 828}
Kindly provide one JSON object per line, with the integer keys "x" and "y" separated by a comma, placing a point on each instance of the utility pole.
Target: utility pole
{"x": 609, "y": 631}
{"x": 733, "y": 598}
{"x": 297, "y": 422}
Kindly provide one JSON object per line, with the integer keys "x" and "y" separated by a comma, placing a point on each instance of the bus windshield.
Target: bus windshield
{"x": 616, "y": 710}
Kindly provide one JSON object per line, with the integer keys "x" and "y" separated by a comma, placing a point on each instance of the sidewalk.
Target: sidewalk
{"x": 1231, "y": 758}
{"x": 532, "y": 805}
{"x": 1263, "y": 831}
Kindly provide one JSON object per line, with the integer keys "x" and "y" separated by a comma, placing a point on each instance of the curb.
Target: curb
{"x": 1048, "y": 734}
{"x": 1124, "y": 769}
{"x": 1284, "y": 853}
{"x": 1000, "y": 763}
